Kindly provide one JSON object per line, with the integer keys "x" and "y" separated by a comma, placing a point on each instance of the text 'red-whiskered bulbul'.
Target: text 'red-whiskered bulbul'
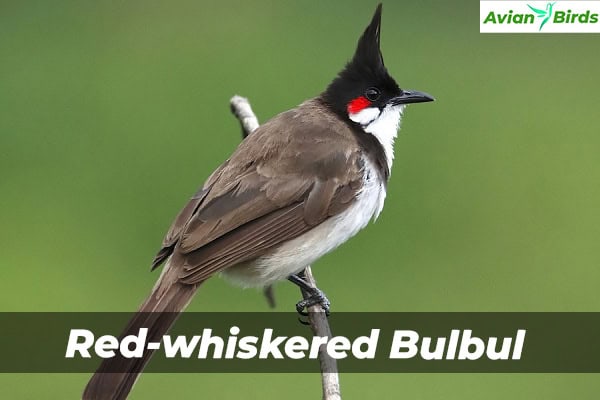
{"x": 299, "y": 186}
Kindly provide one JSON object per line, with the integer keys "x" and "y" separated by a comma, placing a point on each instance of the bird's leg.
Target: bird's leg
{"x": 315, "y": 295}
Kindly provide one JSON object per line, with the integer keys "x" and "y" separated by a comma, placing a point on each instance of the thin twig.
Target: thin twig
{"x": 240, "y": 107}
{"x": 319, "y": 324}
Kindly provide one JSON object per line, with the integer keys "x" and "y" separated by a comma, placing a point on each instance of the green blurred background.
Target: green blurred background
{"x": 112, "y": 113}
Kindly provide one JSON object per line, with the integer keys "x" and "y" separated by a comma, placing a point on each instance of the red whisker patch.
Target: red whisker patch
{"x": 358, "y": 104}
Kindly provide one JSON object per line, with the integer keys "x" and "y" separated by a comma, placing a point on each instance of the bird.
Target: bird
{"x": 545, "y": 14}
{"x": 296, "y": 188}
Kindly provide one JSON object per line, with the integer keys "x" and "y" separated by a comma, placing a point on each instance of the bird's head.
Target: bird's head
{"x": 364, "y": 92}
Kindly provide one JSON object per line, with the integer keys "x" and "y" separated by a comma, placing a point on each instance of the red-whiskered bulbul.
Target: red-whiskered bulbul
{"x": 296, "y": 188}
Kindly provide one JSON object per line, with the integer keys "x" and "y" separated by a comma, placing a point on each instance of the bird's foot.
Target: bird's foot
{"x": 316, "y": 296}
{"x": 313, "y": 295}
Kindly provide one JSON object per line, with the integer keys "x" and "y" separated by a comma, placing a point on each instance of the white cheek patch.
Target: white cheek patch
{"x": 365, "y": 116}
{"x": 385, "y": 129}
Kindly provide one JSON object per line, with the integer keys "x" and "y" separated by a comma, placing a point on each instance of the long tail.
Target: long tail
{"x": 158, "y": 313}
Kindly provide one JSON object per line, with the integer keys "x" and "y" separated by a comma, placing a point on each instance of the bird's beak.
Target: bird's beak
{"x": 410, "y": 96}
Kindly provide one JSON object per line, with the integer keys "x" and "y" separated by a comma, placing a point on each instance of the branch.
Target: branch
{"x": 240, "y": 107}
{"x": 319, "y": 324}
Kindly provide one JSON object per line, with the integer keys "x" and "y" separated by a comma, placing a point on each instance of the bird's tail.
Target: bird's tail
{"x": 116, "y": 376}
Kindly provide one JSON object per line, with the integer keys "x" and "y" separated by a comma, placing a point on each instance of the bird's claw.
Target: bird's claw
{"x": 316, "y": 297}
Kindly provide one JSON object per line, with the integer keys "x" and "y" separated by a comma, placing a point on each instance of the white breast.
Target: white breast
{"x": 385, "y": 129}
{"x": 294, "y": 255}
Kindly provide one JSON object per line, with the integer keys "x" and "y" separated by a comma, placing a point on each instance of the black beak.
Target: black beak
{"x": 411, "y": 96}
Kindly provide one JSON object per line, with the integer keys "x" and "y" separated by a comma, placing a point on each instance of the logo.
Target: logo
{"x": 534, "y": 17}
{"x": 544, "y": 14}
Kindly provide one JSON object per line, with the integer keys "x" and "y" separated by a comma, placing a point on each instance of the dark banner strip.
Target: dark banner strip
{"x": 277, "y": 342}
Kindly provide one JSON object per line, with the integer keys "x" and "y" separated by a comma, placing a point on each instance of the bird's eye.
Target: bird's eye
{"x": 372, "y": 94}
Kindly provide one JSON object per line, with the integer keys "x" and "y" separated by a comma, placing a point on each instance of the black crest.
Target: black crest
{"x": 367, "y": 58}
{"x": 365, "y": 69}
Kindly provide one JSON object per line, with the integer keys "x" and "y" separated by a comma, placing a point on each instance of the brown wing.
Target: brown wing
{"x": 254, "y": 238}
{"x": 253, "y": 203}
{"x": 176, "y": 228}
